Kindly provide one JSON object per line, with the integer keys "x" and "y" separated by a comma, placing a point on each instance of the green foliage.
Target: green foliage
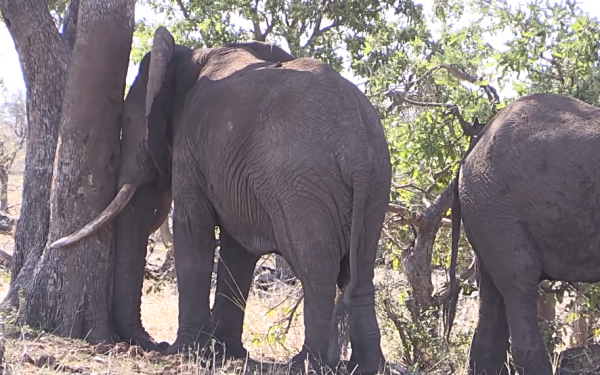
{"x": 554, "y": 48}
{"x": 326, "y": 30}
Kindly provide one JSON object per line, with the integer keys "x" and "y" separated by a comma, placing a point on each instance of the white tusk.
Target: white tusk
{"x": 117, "y": 205}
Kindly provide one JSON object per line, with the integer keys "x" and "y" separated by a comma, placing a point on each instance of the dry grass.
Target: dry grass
{"x": 266, "y": 316}
{"x": 28, "y": 352}
{"x": 265, "y": 320}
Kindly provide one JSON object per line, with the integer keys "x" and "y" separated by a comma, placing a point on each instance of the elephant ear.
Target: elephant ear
{"x": 158, "y": 99}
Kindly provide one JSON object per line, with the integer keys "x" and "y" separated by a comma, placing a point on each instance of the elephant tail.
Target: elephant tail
{"x": 343, "y": 312}
{"x": 452, "y": 300}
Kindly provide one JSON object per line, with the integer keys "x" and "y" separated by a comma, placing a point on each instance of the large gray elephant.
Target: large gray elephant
{"x": 285, "y": 156}
{"x": 529, "y": 192}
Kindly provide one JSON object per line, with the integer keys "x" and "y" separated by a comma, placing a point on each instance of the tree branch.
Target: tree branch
{"x": 400, "y": 97}
{"x": 406, "y": 344}
{"x": 452, "y": 109}
{"x": 185, "y": 12}
{"x": 414, "y": 187}
{"x": 70, "y": 25}
{"x": 416, "y": 259}
{"x": 5, "y": 259}
{"x": 440, "y": 206}
{"x": 258, "y": 35}
{"x": 270, "y": 26}
{"x": 317, "y": 31}
{"x": 30, "y": 24}
{"x": 403, "y": 216}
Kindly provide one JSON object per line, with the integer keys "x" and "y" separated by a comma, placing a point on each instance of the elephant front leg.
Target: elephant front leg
{"x": 133, "y": 226}
{"x": 194, "y": 247}
{"x": 234, "y": 277}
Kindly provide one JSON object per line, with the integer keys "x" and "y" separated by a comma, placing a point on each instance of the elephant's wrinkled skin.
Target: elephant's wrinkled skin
{"x": 529, "y": 192}
{"x": 284, "y": 157}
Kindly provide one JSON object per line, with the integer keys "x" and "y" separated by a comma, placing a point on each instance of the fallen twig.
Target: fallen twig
{"x": 5, "y": 259}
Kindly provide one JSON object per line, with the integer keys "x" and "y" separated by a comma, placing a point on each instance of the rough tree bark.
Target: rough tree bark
{"x": 416, "y": 259}
{"x": 68, "y": 290}
{"x": 44, "y": 57}
{"x": 3, "y": 188}
{"x": 5, "y": 166}
{"x": 580, "y": 325}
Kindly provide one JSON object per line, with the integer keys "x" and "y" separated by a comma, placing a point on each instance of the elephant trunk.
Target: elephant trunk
{"x": 117, "y": 205}
{"x": 133, "y": 227}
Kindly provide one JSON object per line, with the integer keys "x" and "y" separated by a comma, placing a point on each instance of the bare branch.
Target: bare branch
{"x": 400, "y": 97}
{"x": 258, "y": 35}
{"x": 5, "y": 259}
{"x": 438, "y": 209}
{"x": 452, "y": 109}
{"x": 270, "y": 26}
{"x": 416, "y": 220}
{"x": 317, "y": 32}
{"x": 411, "y": 186}
{"x": 438, "y": 175}
{"x": 427, "y": 74}
{"x": 555, "y": 64}
{"x": 290, "y": 316}
{"x": 185, "y": 12}
{"x": 406, "y": 345}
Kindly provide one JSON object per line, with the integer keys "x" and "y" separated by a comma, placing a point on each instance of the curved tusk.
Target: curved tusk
{"x": 117, "y": 205}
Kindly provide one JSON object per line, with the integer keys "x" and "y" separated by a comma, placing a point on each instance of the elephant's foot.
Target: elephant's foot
{"x": 227, "y": 350}
{"x": 103, "y": 335}
{"x": 368, "y": 364}
{"x": 190, "y": 341}
{"x": 315, "y": 364}
{"x": 142, "y": 339}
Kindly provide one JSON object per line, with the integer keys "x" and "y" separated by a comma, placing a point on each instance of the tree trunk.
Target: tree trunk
{"x": 3, "y": 188}
{"x": 416, "y": 260}
{"x": 44, "y": 57}
{"x": 546, "y": 303}
{"x": 68, "y": 291}
{"x": 165, "y": 234}
{"x": 167, "y": 239}
{"x": 579, "y": 326}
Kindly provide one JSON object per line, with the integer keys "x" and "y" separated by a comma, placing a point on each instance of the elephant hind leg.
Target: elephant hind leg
{"x": 529, "y": 352}
{"x": 365, "y": 337}
{"x": 490, "y": 346}
{"x": 308, "y": 244}
{"x": 511, "y": 261}
{"x": 319, "y": 285}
